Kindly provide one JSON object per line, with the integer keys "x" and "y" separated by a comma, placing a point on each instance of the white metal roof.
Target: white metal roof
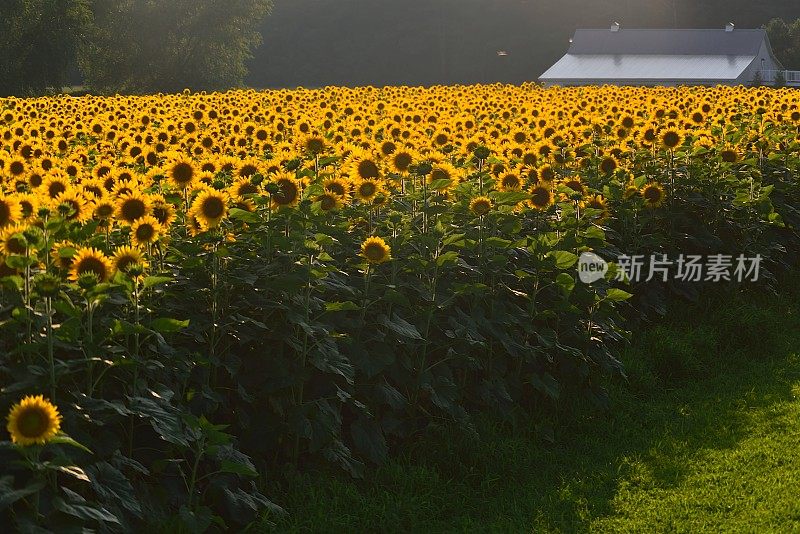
{"x": 647, "y": 67}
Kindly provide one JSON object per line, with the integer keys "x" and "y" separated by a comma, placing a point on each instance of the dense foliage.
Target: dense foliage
{"x": 206, "y": 287}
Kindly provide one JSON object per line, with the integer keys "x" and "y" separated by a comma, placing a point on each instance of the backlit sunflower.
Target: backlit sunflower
{"x": 541, "y": 197}
{"x": 363, "y": 165}
{"x": 289, "y": 190}
{"x": 671, "y": 138}
{"x": 597, "y": 202}
{"x": 367, "y": 190}
{"x": 90, "y": 260}
{"x": 329, "y": 201}
{"x": 145, "y": 230}
{"x": 375, "y": 250}
{"x": 79, "y": 210}
{"x": 509, "y": 181}
{"x": 132, "y": 206}
{"x": 480, "y": 206}
{"x": 33, "y": 421}
{"x": 443, "y": 176}
{"x": 653, "y": 195}
{"x": 181, "y": 173}
{"x": 210, "y": 207}
{"x": 126, "y": 256}
{"x": 12, "y": 242}
{"x": 10, "y": 210}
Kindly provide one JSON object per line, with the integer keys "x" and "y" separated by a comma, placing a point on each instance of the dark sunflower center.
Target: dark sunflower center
{"x": 653, "y": 194}
{"x": 367, "y": 169}
{"x": 15, "y": 245}
{"x": 248, "y": 170}
{"x": 35, "y": 180}
{"x": 367, "y": 189}
{"x": 315, "y": 146}
{"x": 337, "y": 188}
{"x": 145, "y": 232}
{"x": 402, "y": 161}
{"x": 388, "y": 148}
{"x": 213, "y": 207}
{"x": 16, "y": 168}
{"x": 540, "y": 197}
{"x": 55, "y": 189}
{"x": 92, "y": 265}
{"x": 33, "y": 423}
{"x": 439, "y": 174}
{"x": 124, "y": 262}
{"x": 182, "y": 173}
{"x": 287, "y": 193}
{"x": 728, "y": 156}
{"x": 671, "y": 139}
{"x": 327, "y": 202}
{"x": 608, "y": 165}
{"x": 5, "y": 213}
{"x": 133, "y": 209}
{"x": 247, "y": 189}
{"x": 374, "y": 252}
{"x": 511, "y": 181}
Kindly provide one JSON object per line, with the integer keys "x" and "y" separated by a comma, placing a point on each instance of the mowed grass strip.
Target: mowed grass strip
{"x": 704, "y": 436}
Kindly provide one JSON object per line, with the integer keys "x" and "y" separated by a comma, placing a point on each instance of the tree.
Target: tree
{"x": 785, "y": 40}
{"x": 38, "y": 43}
{"x": 169, "y": 45}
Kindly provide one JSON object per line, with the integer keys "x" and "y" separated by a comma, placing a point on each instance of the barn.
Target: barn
{"x": 670, "y": 57}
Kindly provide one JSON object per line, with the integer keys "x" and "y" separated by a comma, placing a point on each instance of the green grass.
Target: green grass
{"x": 704, "y": 436}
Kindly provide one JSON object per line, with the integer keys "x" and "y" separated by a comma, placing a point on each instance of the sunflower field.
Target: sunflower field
{"x": 197, "y": 290}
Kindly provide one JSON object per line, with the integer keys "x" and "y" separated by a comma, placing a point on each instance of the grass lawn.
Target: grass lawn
{"x": 704, "y": 436}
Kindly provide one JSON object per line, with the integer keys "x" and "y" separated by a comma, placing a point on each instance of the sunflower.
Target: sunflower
{"x": 401, "y": 160}
{"x": 375, "y": 250}
{"x": 241, "y": 188}
{"x": 90, "y": 260}
{"x": 597, "y": 202}
{"x": 55, "y": 184}
{"x": 313, "y": 144}
{"x": 182, "y": 172}
{"x": 671, "y": 138}
{"x": 247, "y": 168}
{"x": 126, "y": 256}
{"x": 28, "y": 203}
{"x": 363, "y": 165}
{"x": 12, "y": 242}
{"x": 337, "y": 186}
{"x": 608, "y": 164}
{"x": 210, "y": 207}
{"x": 367, "y": 190}
{"x": 289, "y": 190}
{"x": 16, "y": 167}
{"x": 33, "y": 421}
{"x": 510, "y": 182}
{"x": 541, "y": 197}
{"x": 653, "y": 195}
{"x": 480, "y": 206}
{"x": 102, "y": 208}
{"x": 729, "y": 155}
{"x": 145, "y": 230}
{"x": 163, "y": 211}
{"x": 63, "y": 254}
{"x": 10, "y": 210}
{"x": 329, "y": 201}
{"x": 78, "y": 209}
{"x": 132, "y": 206}
{"x": 444, "y": 175}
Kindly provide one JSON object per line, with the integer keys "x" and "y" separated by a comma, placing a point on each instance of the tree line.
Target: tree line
{"x": 130, "y": 46}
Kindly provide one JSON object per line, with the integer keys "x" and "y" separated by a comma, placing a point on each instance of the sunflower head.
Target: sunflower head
{"x": 653, "y": 195}
{"x": 210, "y": 208}
{"x": 480, "y": 206}
{"x": 375, "y": 250}
{"x": 90, "y": 261}
{"x": 145, "y": 230}
{"x": 182, "y": 172}
{"x": 33, "y": 421}
{"x": 671, "y": 138}
{"x": 541, "y": 197}
{"x": 125, "y": 257}
{"x": 132, "y": 206}
{"x": 10, "y": 210}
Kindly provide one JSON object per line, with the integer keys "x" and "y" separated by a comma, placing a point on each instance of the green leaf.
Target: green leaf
{"x": 448, "y": 258}
{"x": 151, "y": 281}
{"x": 509, "y": 197}
{"x": 617, "y": 295}
{"x": 9, "y": 495}
{"x": 565, "y": 282}
{"x": 227, "y": 466}
{"x": 244, "y": 215}
{"x": 498, "y": 242}
{"x": 341, "y": 306}
{"x": 564, "y": 259}
{"x": 165, "y": 325}
{"x": 66, "y": 440}
{"x": 400, "y": 326}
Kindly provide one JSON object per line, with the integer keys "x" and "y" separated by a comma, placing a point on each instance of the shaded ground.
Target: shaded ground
{"x": 705, "y": 436}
